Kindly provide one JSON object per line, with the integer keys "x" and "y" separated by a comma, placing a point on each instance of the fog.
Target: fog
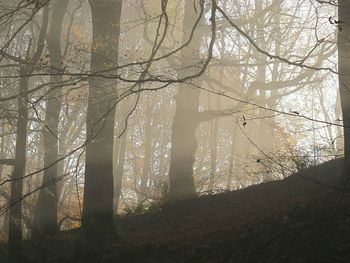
{"x": 119, "y": 108}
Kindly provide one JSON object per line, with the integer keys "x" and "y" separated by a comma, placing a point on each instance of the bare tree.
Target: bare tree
{"x": 98, "y": 190}
{"x": 344, "y": 77}
{"x": 25, "y": 70}
{"x": 45, "y": 218}
{"x": 185, "y": 122}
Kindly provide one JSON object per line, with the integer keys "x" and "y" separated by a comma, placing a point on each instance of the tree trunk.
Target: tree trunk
{"x": 232, "y": 159}
{"x": 64, "y": 142}
{"x": 97, "y": 218}
{"x": 119, "y": 169}
{"x": 214, "y": 126}
{"x": 2, "y": 146}
{"x": 344, "y": 77}
{"x": 339, "y": 142}
{"x": 45, "y": 218}
{"x": 15, "y": 223}
{"x": 185, "y": 122}
{"x": 147, "y": 154}
{"x": 261, "y": 136}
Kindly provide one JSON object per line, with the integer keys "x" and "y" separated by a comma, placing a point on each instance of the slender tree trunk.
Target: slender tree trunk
{"x": 63, "y": 143}
{"x": 214, "y": 126}
{"x": 5, "y": 227}
{"x": 45, "y": 218}
{"x": 185, "y": 122}
{"x": 339, "y": 142}
{"x": 232, "y": 159}
{"x": 119, "y": 169}
{"x": 97, "y": 218}
{"x": 261, "y": 135}
{"x": 344, "y": 77}
{"x": 15, "y": 223}
{"x": 147, "y": 154}
{"x": 272, "y": 101}
{"x": 2, "y": 146}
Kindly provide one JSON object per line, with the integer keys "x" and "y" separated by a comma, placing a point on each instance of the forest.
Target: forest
{"x": 174, "y": 131}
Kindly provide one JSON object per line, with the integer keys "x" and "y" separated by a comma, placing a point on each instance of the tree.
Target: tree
{"x": 45, "y": 218}
{"x": 121, "y": 150}
{"x": 262, "y": 55}
{"x": 25, "y": 70}
{"x": 97, "y": 220}
{"x": 185, "y": 122}
{"x": 344, "y": 77}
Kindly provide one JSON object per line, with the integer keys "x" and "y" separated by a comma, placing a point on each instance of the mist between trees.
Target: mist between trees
{"x": 110, "y": 107}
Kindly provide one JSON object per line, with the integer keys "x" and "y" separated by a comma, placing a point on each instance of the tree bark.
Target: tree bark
{"x": 344, "y": 77}
{"x": 45, "y": 218}
{"x": 97, "y": 218}
{"x": 145, "y": 174}
{"x": 15, "y": 222}
{"x": 119, "y": 169}
{"x": 261, "y": 132}
{"x": 186, "y": 118}
{"x": 214, "y": 126}
{"x": 232, "y": 159}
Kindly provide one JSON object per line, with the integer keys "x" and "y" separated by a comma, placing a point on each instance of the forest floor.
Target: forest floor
{"x": 303, "y": 218}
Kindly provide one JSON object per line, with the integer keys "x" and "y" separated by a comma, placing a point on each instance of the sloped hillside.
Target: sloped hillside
{"x": 303, "y": 218}
{"x": 262, "y": 223}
